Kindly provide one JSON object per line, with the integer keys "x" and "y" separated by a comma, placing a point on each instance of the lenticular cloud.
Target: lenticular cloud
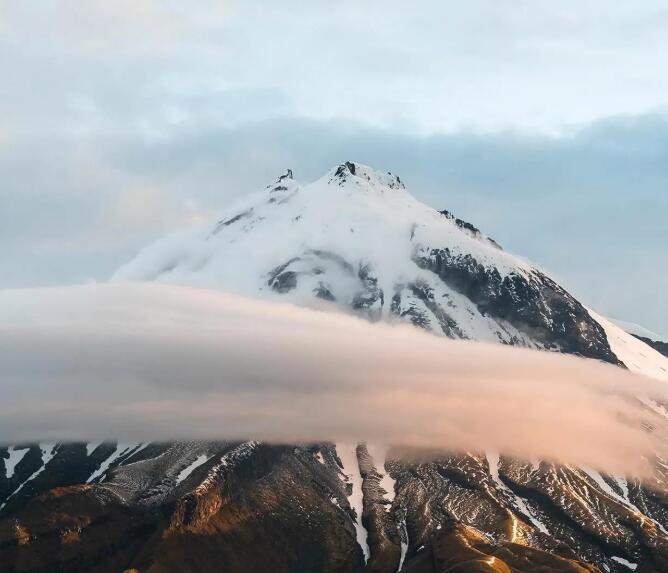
{"x": 151, "y": 362}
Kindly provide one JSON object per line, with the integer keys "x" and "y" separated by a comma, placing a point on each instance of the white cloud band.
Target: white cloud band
{"x": 152, "y": 362}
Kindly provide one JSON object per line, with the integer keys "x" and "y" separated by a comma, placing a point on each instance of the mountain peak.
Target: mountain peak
{"x": 285, "y": 183}
{"x": 348, "y": 167}
{"x": 359, "y": 172}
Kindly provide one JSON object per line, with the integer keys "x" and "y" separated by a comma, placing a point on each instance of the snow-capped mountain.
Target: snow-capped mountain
{"x": 353, "y": 241}
{"x": 357, "y": 238}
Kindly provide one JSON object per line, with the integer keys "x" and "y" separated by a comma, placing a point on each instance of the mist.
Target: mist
{"x": 145, "y": 362}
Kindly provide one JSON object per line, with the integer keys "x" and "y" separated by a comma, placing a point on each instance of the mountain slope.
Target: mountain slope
{"x": 635, "y": 354}
{"x": 658, "y": 345}
{"x": 353, "y": 241}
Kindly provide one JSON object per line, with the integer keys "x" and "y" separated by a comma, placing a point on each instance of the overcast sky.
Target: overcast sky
{"x": 544, "y": 123}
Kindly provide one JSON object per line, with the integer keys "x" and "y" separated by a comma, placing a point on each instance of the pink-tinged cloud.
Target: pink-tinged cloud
{"x": 149, "y": 362}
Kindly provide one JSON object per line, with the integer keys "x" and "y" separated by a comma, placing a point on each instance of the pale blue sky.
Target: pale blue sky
{"x": 544, "y": 123}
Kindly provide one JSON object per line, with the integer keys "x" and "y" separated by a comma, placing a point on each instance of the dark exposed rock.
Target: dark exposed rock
{"x": 469, "y": 228}
{"x": 254, "y": 504}
{"x": 344, "y": 170}
{"x": 412, "y": 314}
{"x": 370, "y": 299}
{"x": 231, "y": 220}
{"x": 284, "y": 282}
{"x": 461, "y": 549}
{"x": 448, "y": 324}
{"x": 323, "y": 291}
{"x": 250, "y": 518}
{"x": 281, "y": 280}
{"x": 535, "y": 305}
{"x": 329, "y": 256}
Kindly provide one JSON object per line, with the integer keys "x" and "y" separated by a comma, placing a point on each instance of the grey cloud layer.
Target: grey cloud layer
{"x": 145, "y": 66}
{"x": 144, "y": 362}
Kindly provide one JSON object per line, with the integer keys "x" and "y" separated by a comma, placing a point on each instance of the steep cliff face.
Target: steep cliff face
{"x": 359, "y": 241}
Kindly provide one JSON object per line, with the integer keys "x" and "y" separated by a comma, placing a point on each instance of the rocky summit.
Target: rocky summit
{"x": 356, "y": 241}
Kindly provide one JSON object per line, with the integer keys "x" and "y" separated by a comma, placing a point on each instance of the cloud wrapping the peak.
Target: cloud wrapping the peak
{"x": 150, "y": 362}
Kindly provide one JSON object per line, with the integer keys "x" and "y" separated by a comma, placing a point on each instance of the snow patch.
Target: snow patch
{"x": 15, "y": 456}
{"x": 117, "y": 453}
{"x": 378, "y": 453}
{"x": 227, "y": 461}
{"x": 623, "y": 499}
{"x": 635, "y": 354}
{"x": 185, "y": 472}
{"x": 141, "y": 447}
{"x": 48, "y": 452}
{"x": 493, "y": 462}
{"x": 347, "y": 453}
{"x": 403, "y": 536}
{"x": 625, "y": 562}
{"x": 91, "y": 447}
